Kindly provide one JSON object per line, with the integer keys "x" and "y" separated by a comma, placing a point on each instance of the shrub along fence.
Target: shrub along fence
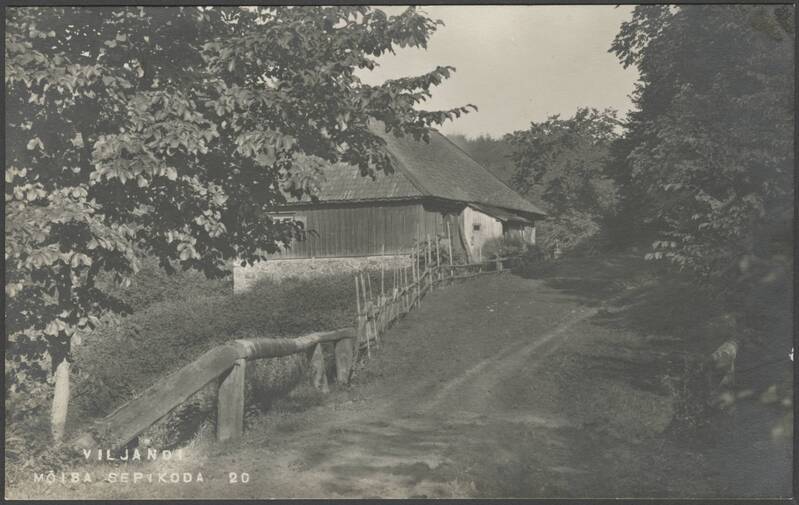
{"x": 376, "y": 312}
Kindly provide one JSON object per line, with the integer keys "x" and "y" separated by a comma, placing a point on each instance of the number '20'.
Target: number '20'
{"x": 235, "y": 478}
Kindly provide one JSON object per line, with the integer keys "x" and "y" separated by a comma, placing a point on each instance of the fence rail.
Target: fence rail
{"x": 376, "y": 312}
{"x": 227, "y": 363}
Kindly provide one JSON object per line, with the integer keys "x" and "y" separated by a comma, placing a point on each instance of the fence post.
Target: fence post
{"x": 499, "y": 264}
{"x": 392, "y": 313}
{"x": 418, "y": 276}
{"x": 405, "y": 297}
{"x": 383, "y": 273}
{"x": 427, "y": 266}
{"x": 230, "y": 403}
{"x": 365, "y": 316}
{"x": 412, "y": 280}
{"x": 318, "y": 372}
{"x": 371, "y": 312}
{"x": 403, "y": 280}
{"x": 362, "y": 334}
{"x": 412, "y": 298}
{"x": 395, "y": 294}
{"x": 438, "y": 259}
{"x": 345, "y": 355}
{"x": 449, "y": 246}
{"x": 383, "y": 291}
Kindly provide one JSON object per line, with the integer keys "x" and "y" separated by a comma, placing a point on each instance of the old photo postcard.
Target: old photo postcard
{"x": 366, "y": 251}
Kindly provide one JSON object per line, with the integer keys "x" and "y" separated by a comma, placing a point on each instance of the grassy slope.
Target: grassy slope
{"x": 161, "y": 337}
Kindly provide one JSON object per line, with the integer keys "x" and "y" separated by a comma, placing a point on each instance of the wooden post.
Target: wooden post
{"x": 405, "y": 289}
{"x": 409, "y": 290}
{"x": 395, "y": 310}
{"x": 428, "y": 257}
{"x": 392, "y": 297}
{"x": 402, "y": 288}
{"x": 371, "y": 310}
{"x": 383, "y": 295}
{"x": 383, "y": 292}
{"x": 398, "y": 293}
{"x": 408, "y": 282}
{"x": 427, "y": 266}
{"x": 449, "y": 247}
{"x": 363, "y": 331}
{"x": 411, "y": 285}
{"x": 358, "y": 329}
{"x": 499, "y": 264}
{"x": 369, "y": 283}
{"x": 429, "y": 263}
{"x": 345, "y": 353}
{"x": 383, "y": 274}
{"x": 415, "y": 299}
{"x": 230, "y": 403}
{"x": 60, "y": 403}
{"x": 418, "y": 276}
{"x": 366, "y": 317}
{"x": 438, "y": 259}
{"x": 318, "y": 372}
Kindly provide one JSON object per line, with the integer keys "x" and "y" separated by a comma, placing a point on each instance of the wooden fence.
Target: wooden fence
{"x": 228, "y": 362}
{"x": 377, "y": 310}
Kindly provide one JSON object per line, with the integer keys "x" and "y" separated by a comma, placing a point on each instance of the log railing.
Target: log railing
{"x": 227, "y": 363}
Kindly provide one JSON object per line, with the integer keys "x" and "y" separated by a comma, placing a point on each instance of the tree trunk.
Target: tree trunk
{"x": 58, "y": 414}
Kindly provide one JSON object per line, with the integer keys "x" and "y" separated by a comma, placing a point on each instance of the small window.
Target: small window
{"x": 476, "y": 227}
{"x": 289, "y": 216}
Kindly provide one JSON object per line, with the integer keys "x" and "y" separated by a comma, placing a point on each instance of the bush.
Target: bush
{"x": 501, "y": 247}
{"x": 153, "y": 285}
{"x": 27, "y": 422}
{"x": 692, "y": 399}
{"x": 443, "y": 252}
{"x": 571, "y": 233}
{"x": 535, "y": 262}
{"x": 124, "y": 356}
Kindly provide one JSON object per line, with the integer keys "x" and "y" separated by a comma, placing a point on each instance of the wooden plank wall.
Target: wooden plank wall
{"x": 365, "y": 230}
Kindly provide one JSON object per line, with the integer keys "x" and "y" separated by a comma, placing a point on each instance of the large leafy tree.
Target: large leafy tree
{"x": 169, "y": 132}
{"x": 492, "y": 153}
{"x": 564, "y": 163}
{"x": 709, "y": 154}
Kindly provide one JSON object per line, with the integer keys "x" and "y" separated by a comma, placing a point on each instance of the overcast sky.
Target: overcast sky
{"x": 519, "y": 63}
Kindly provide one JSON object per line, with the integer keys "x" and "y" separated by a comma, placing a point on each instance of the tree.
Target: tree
{"x": 492, "y": 153}
{"x": 564, "y": 164}
{"x": 169, "y": 132}
{"x": 709, "y": 156}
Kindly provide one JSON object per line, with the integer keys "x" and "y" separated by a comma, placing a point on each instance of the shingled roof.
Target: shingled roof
{"x": 438, "y": 169}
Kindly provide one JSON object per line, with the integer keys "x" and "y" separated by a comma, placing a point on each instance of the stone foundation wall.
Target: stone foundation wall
{"x": 278, "y": 269}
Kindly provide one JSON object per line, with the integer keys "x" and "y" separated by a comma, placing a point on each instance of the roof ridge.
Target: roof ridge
{"x": 495, "y": 176}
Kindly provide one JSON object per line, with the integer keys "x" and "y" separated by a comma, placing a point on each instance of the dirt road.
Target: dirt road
{"x": 527, "y": 390}
{"x": 435, "y": 405}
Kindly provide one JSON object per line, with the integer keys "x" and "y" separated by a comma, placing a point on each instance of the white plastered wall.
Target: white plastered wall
{"x": 479, "y": 228}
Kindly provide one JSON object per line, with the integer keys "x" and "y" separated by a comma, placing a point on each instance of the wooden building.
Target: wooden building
{"x": 435, "y": 189}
